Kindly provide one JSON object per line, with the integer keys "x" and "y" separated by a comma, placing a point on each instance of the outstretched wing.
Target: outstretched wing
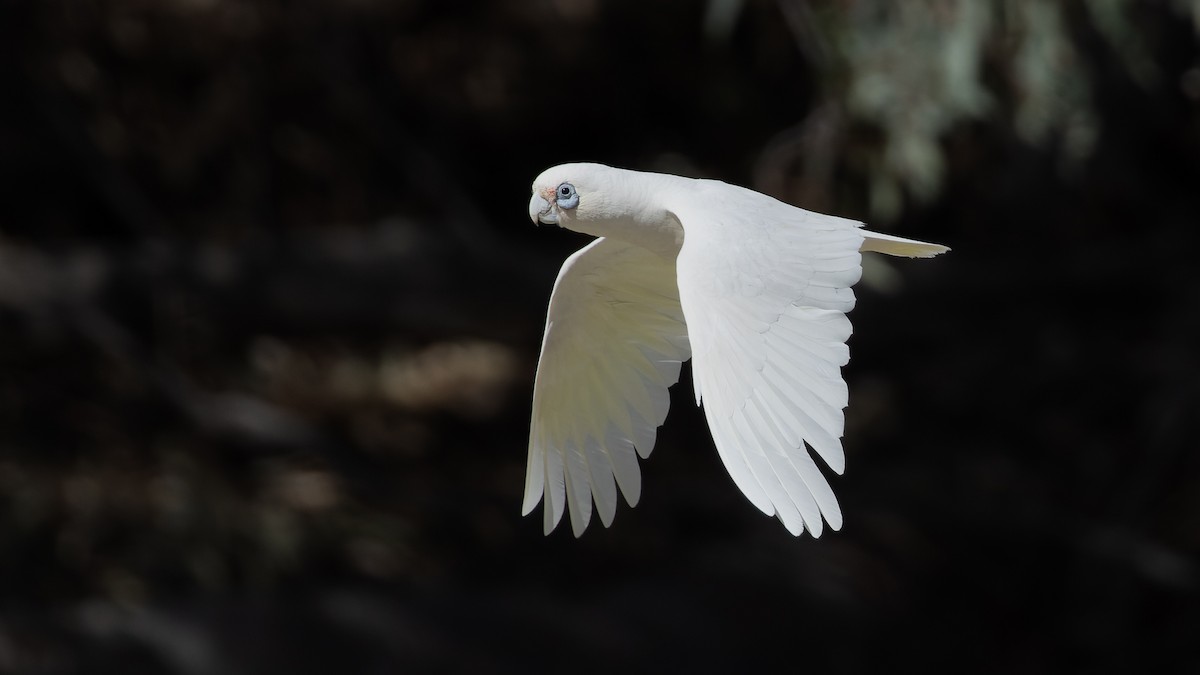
{"x": 765, "y": 288}
{"x": 615, "y": 339}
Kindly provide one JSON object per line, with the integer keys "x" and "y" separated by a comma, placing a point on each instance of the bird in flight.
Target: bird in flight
{"x": 753, "y": 290}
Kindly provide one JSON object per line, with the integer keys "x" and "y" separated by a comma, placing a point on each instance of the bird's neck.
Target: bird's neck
{"x": 639, "y": 217}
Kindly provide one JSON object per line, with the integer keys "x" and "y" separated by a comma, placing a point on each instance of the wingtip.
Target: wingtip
{"x": 633, "y": 496}
{"x": 796, "y": 529}
{"x": 834, "y": 520}
{"x": 549, "y": 519}
{"x": 579, "y": 525}
{"x": 607, "y": 516}
{"x": 529, "y": 503}
{"x": 815, "y": 528}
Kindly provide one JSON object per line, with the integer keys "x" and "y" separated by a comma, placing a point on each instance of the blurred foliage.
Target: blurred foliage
{"x": 918, "y": 71}
{"x": 270, "y": 308}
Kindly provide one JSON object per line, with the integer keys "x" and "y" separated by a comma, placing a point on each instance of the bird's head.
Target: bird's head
{"x": 571, "y": 194}
{"x": 606, "y": 202}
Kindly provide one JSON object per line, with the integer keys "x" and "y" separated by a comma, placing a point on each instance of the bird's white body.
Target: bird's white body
{"x": 753, "y": 290}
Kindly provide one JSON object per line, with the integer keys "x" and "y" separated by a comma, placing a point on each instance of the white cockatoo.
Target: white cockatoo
{"x": 753, "y": 290}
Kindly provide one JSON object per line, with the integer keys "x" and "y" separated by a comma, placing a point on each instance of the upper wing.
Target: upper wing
{"x": 615, "y": 339}
{"x": 765, "y": 288}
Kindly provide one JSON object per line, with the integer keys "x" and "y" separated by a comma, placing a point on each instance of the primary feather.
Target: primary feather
{"x": 753, "y": 290}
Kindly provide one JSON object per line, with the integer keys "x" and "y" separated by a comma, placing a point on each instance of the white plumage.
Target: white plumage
{"x": 753, "y": 290}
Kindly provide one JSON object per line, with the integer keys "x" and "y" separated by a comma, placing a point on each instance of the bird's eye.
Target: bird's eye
{"x": 568, "y": 198}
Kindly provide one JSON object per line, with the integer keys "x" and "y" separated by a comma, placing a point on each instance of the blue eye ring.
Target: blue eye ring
{"x": 568, "y": 198}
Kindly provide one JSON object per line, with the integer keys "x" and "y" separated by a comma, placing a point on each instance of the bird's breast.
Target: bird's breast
{"x": 660, "y": 232}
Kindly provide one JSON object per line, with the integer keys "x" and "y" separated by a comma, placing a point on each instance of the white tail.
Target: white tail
{"x": 909, "y": 248}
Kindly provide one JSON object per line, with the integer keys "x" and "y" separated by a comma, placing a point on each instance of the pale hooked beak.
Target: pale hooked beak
{"x": 540, "y": 211}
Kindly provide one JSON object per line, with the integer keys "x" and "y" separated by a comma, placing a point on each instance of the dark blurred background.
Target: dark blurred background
{"x": 270, "y": 306}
